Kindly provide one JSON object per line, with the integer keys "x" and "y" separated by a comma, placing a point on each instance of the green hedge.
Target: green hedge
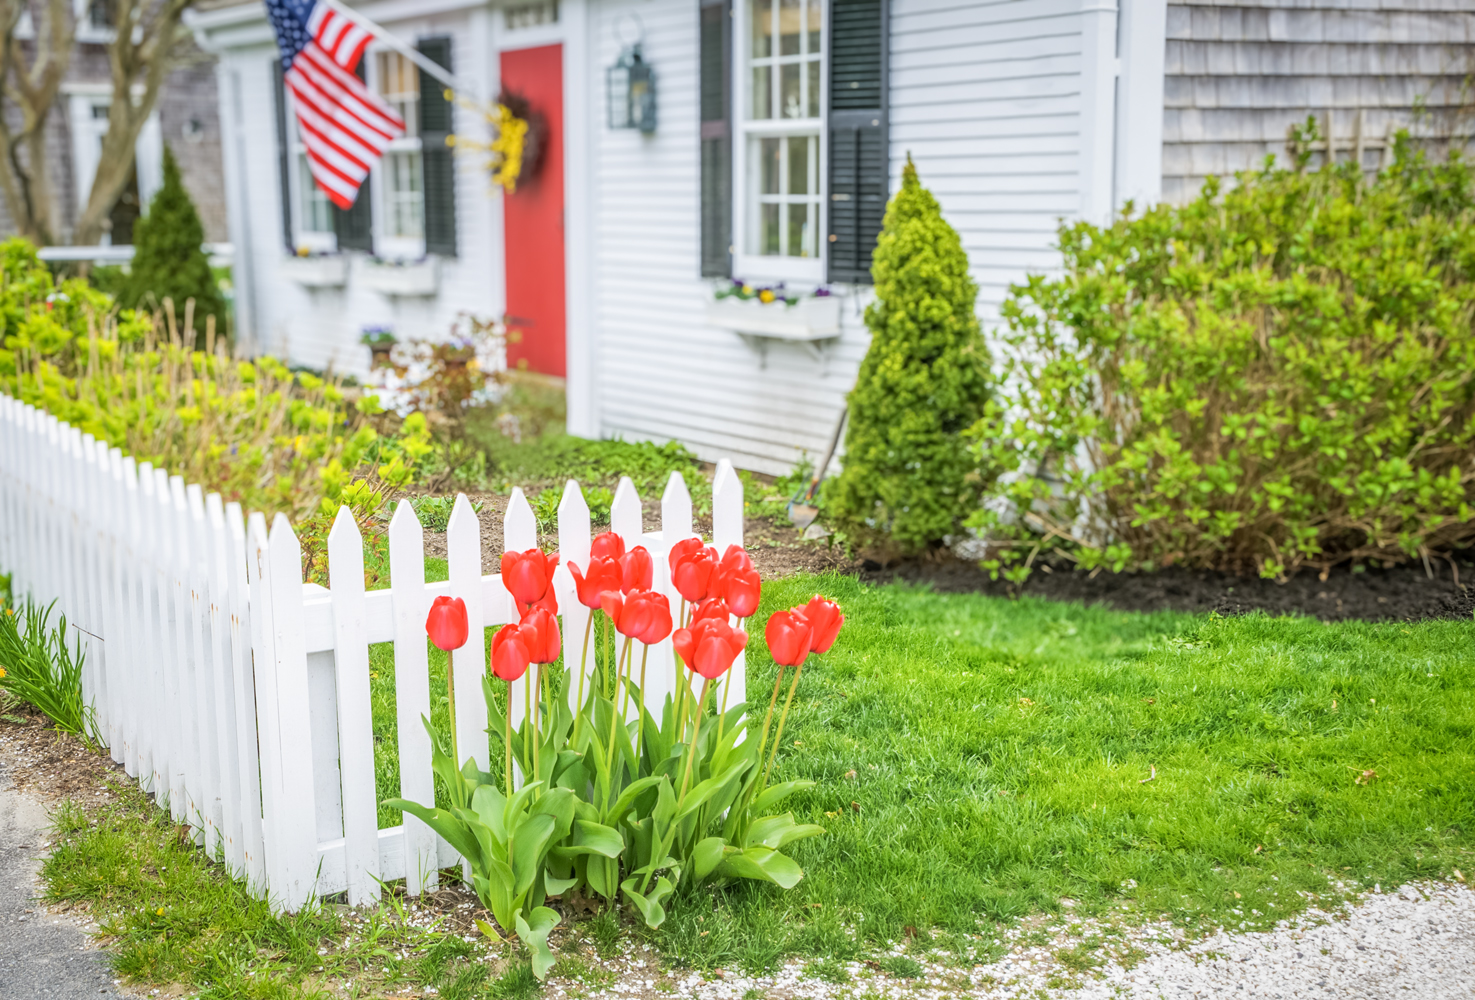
{"x": 1277, "y": 375}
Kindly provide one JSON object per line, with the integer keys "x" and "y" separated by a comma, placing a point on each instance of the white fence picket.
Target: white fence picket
{"x": 519, "y": 533}
{"x": 355, "y": 710}
{"x": 238, "y": 695}
{"x": 574, "y": 538}
{"x": 411, "y": 604}
{"x": 727, "y": 529}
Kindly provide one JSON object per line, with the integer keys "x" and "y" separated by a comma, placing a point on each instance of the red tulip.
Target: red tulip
{"x": 636, "y": 570}
{"x": 527, "y": 574}
{"x": 709, "y": 647}
{"x": 712, "y": 607}
{"x": 607, "y": 545}
{"x": 604, "y": 575}
{"x": 642, "y": 615}
{"x": 741, "y": 588}
{"x": 509, "y": 654}
{"x": 788, "y": 634}
{"x": 538, "y": 631}
{"x": 824, "y": 615}
{"x": 446, "y": 624}
{"x": 736, "y": 557}
{"x": 682, "y": 549}
{"x": 696, "y": 574}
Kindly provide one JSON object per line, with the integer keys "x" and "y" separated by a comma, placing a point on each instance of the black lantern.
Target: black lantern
{"x": 632, "y": 92}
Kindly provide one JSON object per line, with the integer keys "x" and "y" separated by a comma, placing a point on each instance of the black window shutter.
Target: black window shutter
{"x": 354, "y": 226}
{"x": 859, "y": 170}
{"x": 439, "y": 165}
{"x": 716, "y": 126}
{"x": 284, "y": 157}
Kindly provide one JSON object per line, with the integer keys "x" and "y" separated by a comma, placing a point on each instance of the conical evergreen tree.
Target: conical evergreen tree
{"x": 167, "y": 259}
{"x": 924, "y": 381}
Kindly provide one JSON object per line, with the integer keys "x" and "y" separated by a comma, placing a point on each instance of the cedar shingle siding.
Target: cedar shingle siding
{"x": 1238, "y": 74}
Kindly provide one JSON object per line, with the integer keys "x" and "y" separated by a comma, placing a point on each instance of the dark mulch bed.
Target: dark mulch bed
{"x": 1402, "y": 593}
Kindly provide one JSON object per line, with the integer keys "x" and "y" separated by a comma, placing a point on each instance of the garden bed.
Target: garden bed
{"x": 1402, "y": 593}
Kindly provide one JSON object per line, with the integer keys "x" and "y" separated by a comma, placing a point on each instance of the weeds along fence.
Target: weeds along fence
{"x": 237, "y": 694}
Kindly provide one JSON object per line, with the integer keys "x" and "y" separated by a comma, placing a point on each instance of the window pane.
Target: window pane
{"x": 790, "y": 23}
{"x": 801, "y": 234}
{"x": 771, "y": 171}
{"x": 813, "y": 98}
{"x": 315, "y": 213}
{"x": 789, "y": 91}
{"x": 799, "y": 165}
{"x": 815, "y": 26}
{"x": 762, "y": 28}
{"x": 399, "y": 85}
{"x": 768, "y": 230}
{"x": 406, "y": 204}
{"x": 762, "y": 92}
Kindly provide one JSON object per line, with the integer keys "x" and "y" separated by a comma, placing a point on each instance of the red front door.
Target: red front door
{"x": 532, "y": 229}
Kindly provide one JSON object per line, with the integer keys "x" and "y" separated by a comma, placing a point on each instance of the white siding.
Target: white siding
{"x": 661, "y": 373}
{"x": 986, "y": 98}
{"x": 319, "y": 327}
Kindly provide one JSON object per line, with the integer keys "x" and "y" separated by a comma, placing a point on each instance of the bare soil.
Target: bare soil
{"x": 1401, "y": 593}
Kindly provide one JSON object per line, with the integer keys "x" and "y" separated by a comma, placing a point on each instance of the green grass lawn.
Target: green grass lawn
{"x": 979, "y": 760}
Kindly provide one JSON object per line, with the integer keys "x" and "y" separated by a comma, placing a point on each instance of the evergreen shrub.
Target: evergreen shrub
{"x": 907, "y": 471}
{"x": 1277, "y": 375}
{"x": 168, "y": 262}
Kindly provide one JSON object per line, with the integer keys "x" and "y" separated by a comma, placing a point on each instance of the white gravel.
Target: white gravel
{"x": 1417, "y": 943}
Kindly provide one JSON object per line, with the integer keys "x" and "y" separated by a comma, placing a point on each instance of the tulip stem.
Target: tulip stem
{"x": 640, "y": 726}
{"x": 527, "y": 714}
{"x": 722, "y": 716}
{"x": 692, "y": 752}
{"x": 509, "y": 739}
{"x": 583, "y": 662}
{"x": 614, "y": 715}
{"x": 533, "y": 711}
{"x": 779, "y": 736}
{"x": 451, "y": 701}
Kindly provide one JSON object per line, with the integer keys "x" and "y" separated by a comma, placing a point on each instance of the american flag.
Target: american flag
{"x": 345, "y": 127}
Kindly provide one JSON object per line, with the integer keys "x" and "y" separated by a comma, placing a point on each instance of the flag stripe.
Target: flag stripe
{"x": 349, "y": 90}
{"x": 362, "y": 144}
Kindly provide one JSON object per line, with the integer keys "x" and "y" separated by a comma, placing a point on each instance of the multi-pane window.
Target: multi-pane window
{"x": 398, "y": 82}
{"x": 782, "y": 80}
{"x": 316, "y": 211}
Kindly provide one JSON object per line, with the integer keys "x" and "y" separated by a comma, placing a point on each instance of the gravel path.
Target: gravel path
{"x": 1414, "y": 944}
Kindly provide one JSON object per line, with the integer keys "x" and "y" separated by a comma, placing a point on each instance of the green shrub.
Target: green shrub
{"x": 1277, "y": 375}
{"x": 924, "y": 381}
{"x": 167, "y": 260}
{"x": 37, "y": 666}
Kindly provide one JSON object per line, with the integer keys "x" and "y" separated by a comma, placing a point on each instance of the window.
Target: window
{"x": 403, "y": 201}
{"x": 316, "y": 211}
{"x": 780, "y": 76}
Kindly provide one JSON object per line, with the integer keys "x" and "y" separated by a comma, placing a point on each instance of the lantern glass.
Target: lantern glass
{"x": 618, "y": 87}
{"x": 631, "y": 92}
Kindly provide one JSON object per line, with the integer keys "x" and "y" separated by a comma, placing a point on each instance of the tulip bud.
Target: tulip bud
{"x": 607, "y": 545}
{"x": 709, "y": 646}
{"x": 682, "y": 549}
{"x": 636, "y": 570}
{"x": 824, "y": 615}
{"x": 604, "y": 575}
{"x": 446, "y": 624}
{"x": 538, "y": 631}
{"x": 509, "y": 653}
{"x": 788, "y": 634}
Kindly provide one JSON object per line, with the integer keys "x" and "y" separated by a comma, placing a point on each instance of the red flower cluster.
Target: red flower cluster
{"x": 535, "y": 639}
{"x": 612, "y": 569}
{"x": 642, "y": 614}
{"x": 793, "y": 634}
{"x": 700, "y": 575}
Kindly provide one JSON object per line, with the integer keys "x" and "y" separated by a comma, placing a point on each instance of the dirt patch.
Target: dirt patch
{"x": 50, "y": 765}
{"x": 1402, "y": 593}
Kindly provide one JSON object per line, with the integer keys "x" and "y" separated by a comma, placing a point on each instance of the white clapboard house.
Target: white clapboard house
{"x": 776, "y": 131}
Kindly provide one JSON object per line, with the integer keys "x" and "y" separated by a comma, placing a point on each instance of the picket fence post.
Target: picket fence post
{"x": 411, "y": 603}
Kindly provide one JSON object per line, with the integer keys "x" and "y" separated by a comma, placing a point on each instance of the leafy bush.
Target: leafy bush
{"x": 254, "y": 431}
{"x": 37, "y": 667}
{"x": 924, "y": 381}
{"x": 168, "y": 262}
{"x": 1274, "y": 376}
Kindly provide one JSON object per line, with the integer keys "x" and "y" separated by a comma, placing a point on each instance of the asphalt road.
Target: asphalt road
{"x": 41, "y": 957}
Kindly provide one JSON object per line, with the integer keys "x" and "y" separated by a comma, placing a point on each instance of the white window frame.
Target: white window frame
{"x": 758, "y": 267}
{"x": 387, "y": 246}
{"x": 311, "y": 240}
{"x": 87, "y": 132}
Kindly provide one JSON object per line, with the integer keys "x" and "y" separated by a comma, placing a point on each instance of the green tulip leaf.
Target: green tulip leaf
{"x": 555, "y": 886}
{"x": 761, "y": 864}
{"x": 775, "y": 794}
{"x": 707, "y": 855}
{"x": 529, "y": 844}
{"x": 648, "y": 904}
{"x": 454, "y": 830}
{"x": 533, "y": 932}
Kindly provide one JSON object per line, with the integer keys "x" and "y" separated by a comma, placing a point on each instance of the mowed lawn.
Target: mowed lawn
{"x": 980, "y": 759}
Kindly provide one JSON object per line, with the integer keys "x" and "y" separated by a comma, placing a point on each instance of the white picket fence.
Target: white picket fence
{"x": 237, "y": 694}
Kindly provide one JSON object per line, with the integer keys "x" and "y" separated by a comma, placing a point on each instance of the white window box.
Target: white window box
{"x": 317, "y": 272}
{"x": 421, "y": 277}
{"x": 812, "y": 322}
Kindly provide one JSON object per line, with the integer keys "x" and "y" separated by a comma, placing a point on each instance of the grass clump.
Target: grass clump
{"x": 38, "y": 667}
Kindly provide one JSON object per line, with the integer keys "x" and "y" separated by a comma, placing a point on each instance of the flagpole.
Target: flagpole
{"x": 405, "y": 49}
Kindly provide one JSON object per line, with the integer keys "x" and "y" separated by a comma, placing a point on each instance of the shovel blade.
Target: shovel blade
{"x": 802, "y": 514}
